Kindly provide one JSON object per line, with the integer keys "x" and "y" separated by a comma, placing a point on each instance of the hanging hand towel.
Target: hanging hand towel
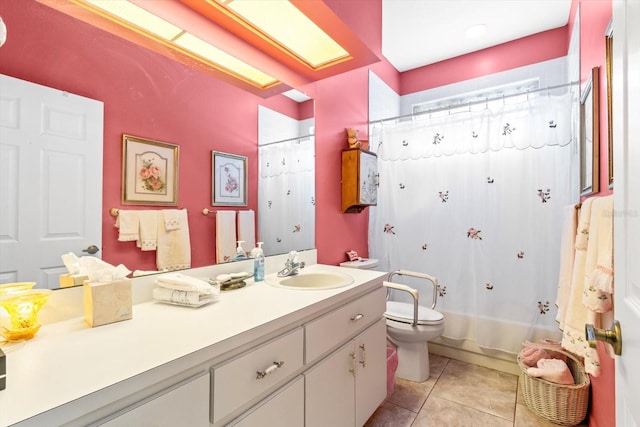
{"x": 174, "y": 246}
{"x": 128, "y": 224}
{"x": 567, "y": 251}
{"x": 576, "y": 313}
{"x": 247, "y": 229}
{"x": 148, "y": 240}
{"x": 171, "y": 218}
{"x": 598, "y": 285}
{"x": 225, "y": 236}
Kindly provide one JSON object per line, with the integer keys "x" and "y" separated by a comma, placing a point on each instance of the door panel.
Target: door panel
{"x": 51, "y": 179}
{"x": 626, "y": 133}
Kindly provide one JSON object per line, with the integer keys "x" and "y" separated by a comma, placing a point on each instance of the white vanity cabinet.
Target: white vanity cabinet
{"x": 286, "y": 358}
{"x": 255, "y": 372}
{"x": 187, "y": 404}
{"x": 284, "y": 408}
{"x": 346, "y": 387}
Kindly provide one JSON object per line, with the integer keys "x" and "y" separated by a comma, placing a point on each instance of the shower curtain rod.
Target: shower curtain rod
{"x": 448, "y": 107}
{"x": 288, "y": 139}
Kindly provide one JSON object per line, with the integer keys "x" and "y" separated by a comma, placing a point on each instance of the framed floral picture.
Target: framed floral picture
{"x": 228, "y": 179}
{"x": 149, "y": 172}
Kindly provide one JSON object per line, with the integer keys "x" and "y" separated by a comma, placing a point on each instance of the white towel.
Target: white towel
{"x": 174, "y": 246}
{"x": 598, "y": 285}
{"x": 225, "y": 236}
{"x": 247, "y": 229}
{"x": 128, "y": 224}
{"x": 181, "y": 282}
{"x": 183, "y": 297}
{"x": 171, "y": 218}
{"x": 576, "y": 313}
{"x": 148, "y": 240}
{"x": 567, "y": 252}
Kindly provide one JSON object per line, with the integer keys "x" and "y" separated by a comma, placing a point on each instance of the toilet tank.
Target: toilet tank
{"x": 362, "y": 263}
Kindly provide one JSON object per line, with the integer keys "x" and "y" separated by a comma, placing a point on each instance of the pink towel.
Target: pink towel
{"x": 553, "y": 370}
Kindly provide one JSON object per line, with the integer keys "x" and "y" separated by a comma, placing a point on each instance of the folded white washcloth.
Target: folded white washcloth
{"x": 180, "y": 282}
{"x": 183, "y": 297}
{"x": 553, "y": 370}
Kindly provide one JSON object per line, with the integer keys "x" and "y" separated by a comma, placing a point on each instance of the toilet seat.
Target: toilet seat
{"x": 403, "y": 312}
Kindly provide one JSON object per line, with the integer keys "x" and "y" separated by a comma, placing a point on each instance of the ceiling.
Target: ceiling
{"x": 421, "y": 32}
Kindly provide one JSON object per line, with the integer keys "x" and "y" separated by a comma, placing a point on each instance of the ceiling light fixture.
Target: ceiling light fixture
{"x": 475, "y": 31}
{"x": 282, "y": 24}
{"x": 143, "y": 22}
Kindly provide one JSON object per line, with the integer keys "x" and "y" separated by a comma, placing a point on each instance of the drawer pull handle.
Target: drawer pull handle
{"x": 363, "y": 362}
{"x": 357, "y": 317}
{"x": 353, "y": 363}
{"x": 271, "y": 369}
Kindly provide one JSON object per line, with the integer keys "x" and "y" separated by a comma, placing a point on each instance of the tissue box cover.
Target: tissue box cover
{"x": 107, "y": 302}
{"x": 68, "y": 280}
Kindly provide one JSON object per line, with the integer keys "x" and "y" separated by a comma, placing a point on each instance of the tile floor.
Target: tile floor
{"x": 457, "y": 394}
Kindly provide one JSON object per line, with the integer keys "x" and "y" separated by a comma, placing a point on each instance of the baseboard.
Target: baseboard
{"x": 468, "y": 352}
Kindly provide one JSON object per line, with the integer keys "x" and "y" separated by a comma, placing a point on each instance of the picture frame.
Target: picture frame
{"x": 609, "y": 70}
{"x": 149, "y": 172}
{"x": 228, "y": 179}
{"x": 589, "y": 135}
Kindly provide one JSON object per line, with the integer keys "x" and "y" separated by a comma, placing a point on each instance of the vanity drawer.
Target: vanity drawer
{"x": 242, "y": 379}
{"x": 328, "y": 331}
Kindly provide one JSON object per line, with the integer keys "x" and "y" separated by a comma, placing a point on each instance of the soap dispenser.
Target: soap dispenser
{"x": 240, "y": 253}
{"x": 258, "y": 264}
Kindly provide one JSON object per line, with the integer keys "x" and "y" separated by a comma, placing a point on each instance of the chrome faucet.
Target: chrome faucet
{"x": 291, "y": 266}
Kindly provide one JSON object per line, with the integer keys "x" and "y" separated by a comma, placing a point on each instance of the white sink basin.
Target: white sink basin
{"x": 312, "y": 280}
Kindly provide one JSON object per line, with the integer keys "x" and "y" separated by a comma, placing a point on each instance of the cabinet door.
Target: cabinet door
{"x": 284, "y": 408}
{"x": 185, "y": 405}
{"x": 371, "y": 373}
{"x": 329, "y": 396}
{"x": 368, "y": 174}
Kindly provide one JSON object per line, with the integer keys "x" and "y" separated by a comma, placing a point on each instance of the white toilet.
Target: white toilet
{"x": 409, "y": 325}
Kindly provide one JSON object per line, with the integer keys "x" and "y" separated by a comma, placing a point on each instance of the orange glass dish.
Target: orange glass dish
{"x": 23, "y": 307}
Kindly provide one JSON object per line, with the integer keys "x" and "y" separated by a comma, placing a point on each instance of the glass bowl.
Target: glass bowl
{"x": 23, "y": 307}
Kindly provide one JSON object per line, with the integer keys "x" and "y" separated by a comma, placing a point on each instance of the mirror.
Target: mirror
{"x": 147, "y": 95}
{"x": 589, "y": 135}
{"x": 286, "y": 180}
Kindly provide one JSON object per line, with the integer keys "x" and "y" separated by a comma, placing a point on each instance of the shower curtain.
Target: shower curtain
{"x": 286, "y": 196}
{"x": 476, "y": 199}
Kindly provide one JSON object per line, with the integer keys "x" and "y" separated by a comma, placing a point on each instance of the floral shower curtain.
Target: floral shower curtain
{"x": 476, "y": 199}
{"x": 286, "y": 196}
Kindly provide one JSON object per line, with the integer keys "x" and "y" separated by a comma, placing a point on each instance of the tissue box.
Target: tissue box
{"x": 68, "y": 280}
{"x": 107, "y": 302}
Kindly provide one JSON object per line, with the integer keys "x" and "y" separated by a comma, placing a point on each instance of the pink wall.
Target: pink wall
{"x": 594, "y": 19}
{"x": 528, "y": 50}
{"x": 144, "y": 94}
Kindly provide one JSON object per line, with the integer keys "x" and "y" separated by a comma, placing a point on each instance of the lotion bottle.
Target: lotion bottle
{"x": 258, "y": 264}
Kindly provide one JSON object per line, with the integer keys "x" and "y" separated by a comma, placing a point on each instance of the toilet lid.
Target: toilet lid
{"x": 403, "y": 312}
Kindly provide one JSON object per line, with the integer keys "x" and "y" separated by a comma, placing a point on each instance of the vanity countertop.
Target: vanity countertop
{"x": 68, "y": 360}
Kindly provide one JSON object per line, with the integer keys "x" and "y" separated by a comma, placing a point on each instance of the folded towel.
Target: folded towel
{"x": 531, "y": 353}
{"x": 180, "y": 282}
{"x": 599, "y": 280}
{"x": 225, "y": 236}
{"x": 171, "y": 219}
{"x": 584, "y": 223}
{"x": 128, "y": 224}
{"x": 148, "y": 240}
{"x": 247, "y": 228}
{"x": 174, "y": 246}
{"x": 183, "y": 297}
{"x": 553, "y": 370}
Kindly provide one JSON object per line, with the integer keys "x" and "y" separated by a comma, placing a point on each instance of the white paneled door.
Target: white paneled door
{"x": 626, "y": 133}
{"x": 50, "y": 180}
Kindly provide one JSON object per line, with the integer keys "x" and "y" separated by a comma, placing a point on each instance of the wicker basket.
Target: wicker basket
{"x": 561, "y": 404}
